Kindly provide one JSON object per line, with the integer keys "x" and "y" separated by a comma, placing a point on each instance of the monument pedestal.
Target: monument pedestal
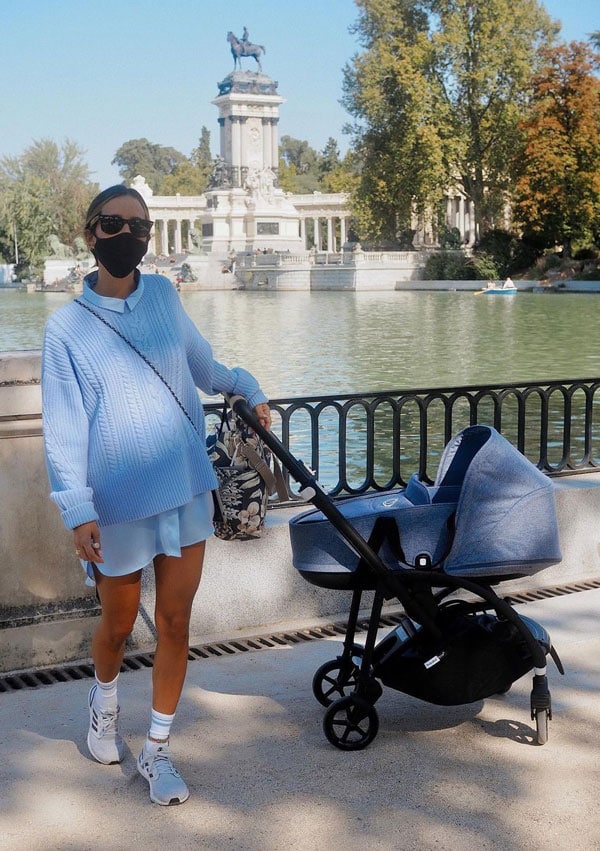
{"x": 272, "y": 223}
{"x": 250, "y": 220}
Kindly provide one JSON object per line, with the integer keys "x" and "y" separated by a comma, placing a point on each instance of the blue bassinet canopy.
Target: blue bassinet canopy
{"x": 505, "y": 514}
{"x": 490, "y": 512}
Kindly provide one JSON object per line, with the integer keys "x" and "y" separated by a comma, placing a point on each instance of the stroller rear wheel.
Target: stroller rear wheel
{"x": 541, "y": 707}
{"x": 336, "y": 678}
{"x": 541, "y": 725}
{"x": 351, "y": 723}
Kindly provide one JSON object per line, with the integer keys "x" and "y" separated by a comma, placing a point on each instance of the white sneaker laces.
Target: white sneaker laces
{"x": 161, "y": 764}
{"x": 107, "y": 721}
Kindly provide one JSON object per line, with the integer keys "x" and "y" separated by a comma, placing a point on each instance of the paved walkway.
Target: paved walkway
{"x": 248, "y": 740}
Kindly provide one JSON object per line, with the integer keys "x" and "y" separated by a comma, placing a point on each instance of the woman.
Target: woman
{"x": 128, "y": 466}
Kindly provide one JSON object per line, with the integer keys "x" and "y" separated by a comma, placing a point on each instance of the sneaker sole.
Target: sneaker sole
{"x": 97, "y": 758}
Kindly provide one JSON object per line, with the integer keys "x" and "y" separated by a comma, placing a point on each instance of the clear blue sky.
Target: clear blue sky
{"x": 101, "y": 72}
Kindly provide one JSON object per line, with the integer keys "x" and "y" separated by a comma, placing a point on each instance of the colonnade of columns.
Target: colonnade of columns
{"x": 460, "y": 214}
{"x": 181, "y": 232}
{"x": 329, "y": 233}
{"x": 325, "y": 232}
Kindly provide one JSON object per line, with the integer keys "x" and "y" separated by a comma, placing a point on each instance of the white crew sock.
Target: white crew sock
{"x": 105, "y": 698}
{"x": 160, "y": 727}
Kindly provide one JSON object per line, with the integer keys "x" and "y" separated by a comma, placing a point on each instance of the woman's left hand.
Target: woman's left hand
{"x": 263, "y": 412}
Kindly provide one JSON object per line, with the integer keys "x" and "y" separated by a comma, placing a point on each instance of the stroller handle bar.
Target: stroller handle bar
{"x": 312, "y": 491}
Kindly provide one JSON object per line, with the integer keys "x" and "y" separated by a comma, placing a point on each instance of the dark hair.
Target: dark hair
{"x": 107, "y": 195}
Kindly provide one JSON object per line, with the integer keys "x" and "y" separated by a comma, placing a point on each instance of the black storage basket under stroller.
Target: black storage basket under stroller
{"x": 490, "y": 516}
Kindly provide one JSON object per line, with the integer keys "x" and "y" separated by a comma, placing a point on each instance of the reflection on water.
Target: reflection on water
{"x": 320, "y": 343}
{"x": 325, "y": 343}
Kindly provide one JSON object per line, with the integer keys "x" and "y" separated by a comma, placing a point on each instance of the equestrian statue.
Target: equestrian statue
{"x": 242, "y": 47}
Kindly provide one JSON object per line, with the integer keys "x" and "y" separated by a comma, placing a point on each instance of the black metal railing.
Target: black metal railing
{"x": 376, "y": 441}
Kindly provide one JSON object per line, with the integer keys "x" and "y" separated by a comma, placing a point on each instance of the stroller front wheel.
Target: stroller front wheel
{"x": 351, "y": 723}
{"x": 335, "y": 679}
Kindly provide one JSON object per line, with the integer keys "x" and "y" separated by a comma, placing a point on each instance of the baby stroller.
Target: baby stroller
{"x": 488, "y": 518}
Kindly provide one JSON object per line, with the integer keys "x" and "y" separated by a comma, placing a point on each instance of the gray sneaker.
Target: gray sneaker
{"x": 166, "y": 785}
{"x": 103, "y": 740}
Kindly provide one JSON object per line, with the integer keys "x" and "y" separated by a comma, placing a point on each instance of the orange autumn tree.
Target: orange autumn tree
{"x": 557, "y": 191}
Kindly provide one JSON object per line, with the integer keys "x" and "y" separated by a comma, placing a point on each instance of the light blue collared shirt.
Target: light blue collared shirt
{"x": 118, "y": 305}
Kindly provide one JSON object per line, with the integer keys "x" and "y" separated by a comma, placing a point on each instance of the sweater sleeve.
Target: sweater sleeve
{"x": 66, "y": 430}
{"x": 213, "y": 377}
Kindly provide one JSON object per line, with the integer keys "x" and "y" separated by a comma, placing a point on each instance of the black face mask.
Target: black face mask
{"x": 120, "y": 254}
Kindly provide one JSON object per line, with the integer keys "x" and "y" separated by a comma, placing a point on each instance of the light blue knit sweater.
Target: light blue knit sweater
{"x": 118, "y": 448}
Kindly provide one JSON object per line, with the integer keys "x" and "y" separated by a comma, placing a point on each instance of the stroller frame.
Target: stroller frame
{"x": 348, "y": 685}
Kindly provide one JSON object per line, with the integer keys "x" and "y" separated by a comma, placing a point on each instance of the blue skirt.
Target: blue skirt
{"x": 127, "y": 547}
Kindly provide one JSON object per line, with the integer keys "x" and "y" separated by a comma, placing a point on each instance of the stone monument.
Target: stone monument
{"x": 246, "y": 209}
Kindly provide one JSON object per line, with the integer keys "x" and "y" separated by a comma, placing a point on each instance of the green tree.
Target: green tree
{"x": 557, "y": 195}
{"x": 6, "y": 245}
{"x": 201, "y": 157}
{"x": 298, "y": 166}
{"x": 191, "y": 176}
{"x": 436, "y": 97}
{"x": 329, "y": 158}
{"x": 287, "y": 177}
{"x": 396, "y": 145}
{"x": 153, "y": 162}
{"x": 343, "y": 178}
{"x": 166, "y": 170}
{"x": 185, "y": 179}
{"x": 336, "y": 174}
{"x": 43, "y": 192}
{"x": 490, "y": 51}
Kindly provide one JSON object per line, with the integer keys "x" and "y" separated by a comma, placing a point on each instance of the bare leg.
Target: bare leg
{"x": 120, "y": 600}
{"x": 177, "y": 580}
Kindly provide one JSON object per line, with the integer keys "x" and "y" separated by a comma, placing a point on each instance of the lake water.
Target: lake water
{"x": 320, "y": 343}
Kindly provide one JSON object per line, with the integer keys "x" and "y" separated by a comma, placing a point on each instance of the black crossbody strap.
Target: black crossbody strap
{"x": 143, "y": 357}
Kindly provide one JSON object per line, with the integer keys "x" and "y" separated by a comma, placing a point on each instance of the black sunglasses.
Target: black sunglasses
{"x": 114, "y": 224}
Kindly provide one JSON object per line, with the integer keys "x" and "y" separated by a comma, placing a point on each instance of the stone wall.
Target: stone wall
{"x": 47, "y": 614}
{"x": 348, "y": 270}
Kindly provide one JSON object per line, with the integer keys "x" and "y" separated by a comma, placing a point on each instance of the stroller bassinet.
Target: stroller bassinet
{"x": 489, "y": 516}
